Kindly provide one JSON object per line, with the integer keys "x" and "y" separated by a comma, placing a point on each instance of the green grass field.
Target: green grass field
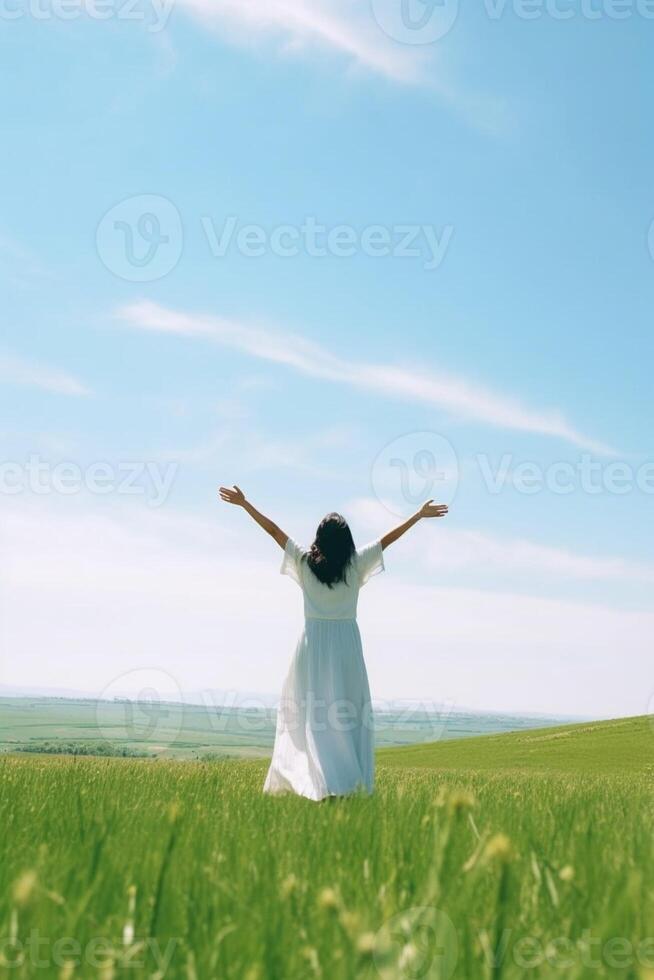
{"x": 623, "y": 745}
{"x": 517, "y": 856}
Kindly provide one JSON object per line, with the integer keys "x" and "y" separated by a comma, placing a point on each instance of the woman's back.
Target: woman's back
{"x": 338, "y": 601}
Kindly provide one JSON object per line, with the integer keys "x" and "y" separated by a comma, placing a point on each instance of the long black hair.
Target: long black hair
{"x": 332, "y": 551}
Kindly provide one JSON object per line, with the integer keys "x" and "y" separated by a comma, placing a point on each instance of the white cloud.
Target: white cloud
{"x": 456, "y": 395}
{"x": 486, "y": 554}
{"x": 120, "y": 588}
{"x": 16, "y": 370}
{"x": 475, "y": 549}
{"x": 506, "y": 651}
{"x": 349, "y": 29}
{"x": 247, "y": 451}
{"x": 346, "y": 28}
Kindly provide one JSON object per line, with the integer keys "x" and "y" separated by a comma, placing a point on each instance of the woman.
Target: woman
{"x": 324, "y": 738}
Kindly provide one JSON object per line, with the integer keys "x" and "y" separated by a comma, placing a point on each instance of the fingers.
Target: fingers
{"x": 232, "y": 496}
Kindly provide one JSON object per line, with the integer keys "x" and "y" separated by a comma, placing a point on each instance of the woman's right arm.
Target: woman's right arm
{"x": 430, "y": 509}
{"x": 237, "y": 497}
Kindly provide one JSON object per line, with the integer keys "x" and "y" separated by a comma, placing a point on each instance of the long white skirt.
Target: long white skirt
{"x": 324, "y": 737}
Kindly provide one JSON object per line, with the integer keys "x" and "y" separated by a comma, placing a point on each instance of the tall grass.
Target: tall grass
{"x": 187, "y": 870}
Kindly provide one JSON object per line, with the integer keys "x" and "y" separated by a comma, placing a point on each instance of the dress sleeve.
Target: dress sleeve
{"x": 292, "y": 560}
{"x": 370, "y": 561}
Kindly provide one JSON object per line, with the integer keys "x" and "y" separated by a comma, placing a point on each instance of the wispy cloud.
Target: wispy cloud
{"x": 474, "y": 549}
{"x": 478, "y": 552}
{"x": 16, "y": 370}
{"x": 301, "y": 25}
{"x": 456, "y": 395}
{"x": 349, "y": 30}
{"x": 241, "y": 449}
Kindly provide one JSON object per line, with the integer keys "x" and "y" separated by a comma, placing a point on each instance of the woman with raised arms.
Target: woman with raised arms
{"x": 324, "y": 737}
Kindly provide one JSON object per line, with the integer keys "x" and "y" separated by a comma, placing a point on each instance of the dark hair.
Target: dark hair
{"x": 332, "y": 551}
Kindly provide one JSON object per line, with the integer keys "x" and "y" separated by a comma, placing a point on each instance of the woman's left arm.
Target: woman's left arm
{"x": 430, "y": 509}
{"x": 237, "y": 497}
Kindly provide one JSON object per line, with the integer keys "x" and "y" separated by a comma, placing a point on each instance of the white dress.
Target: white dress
{"x": 324, "y": 737}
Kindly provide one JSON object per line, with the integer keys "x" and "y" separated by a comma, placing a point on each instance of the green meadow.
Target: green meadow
{"x": 518, "y": 855}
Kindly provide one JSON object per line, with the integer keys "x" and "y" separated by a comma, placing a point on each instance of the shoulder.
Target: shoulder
{"x": 369, "y": 560}
{"x": 293, "y": 558}
{"x": 296, "y": 550}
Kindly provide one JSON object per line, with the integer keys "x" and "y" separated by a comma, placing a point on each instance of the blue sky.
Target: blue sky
{"x": 521, "y": 145}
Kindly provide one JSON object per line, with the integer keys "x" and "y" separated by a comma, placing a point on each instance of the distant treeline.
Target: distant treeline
{"x": 83, "y": 748}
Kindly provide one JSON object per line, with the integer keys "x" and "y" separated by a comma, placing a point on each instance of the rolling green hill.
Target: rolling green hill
{"x": 625, "y": 745}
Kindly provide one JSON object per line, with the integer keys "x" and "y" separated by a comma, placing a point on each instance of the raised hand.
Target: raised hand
{"x": 430, "y": 509}
{"x": 233, "y": 496}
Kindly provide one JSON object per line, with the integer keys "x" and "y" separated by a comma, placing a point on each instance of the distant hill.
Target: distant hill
{"x": 184, "y": 730}
{"x": 621, "y": 745}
